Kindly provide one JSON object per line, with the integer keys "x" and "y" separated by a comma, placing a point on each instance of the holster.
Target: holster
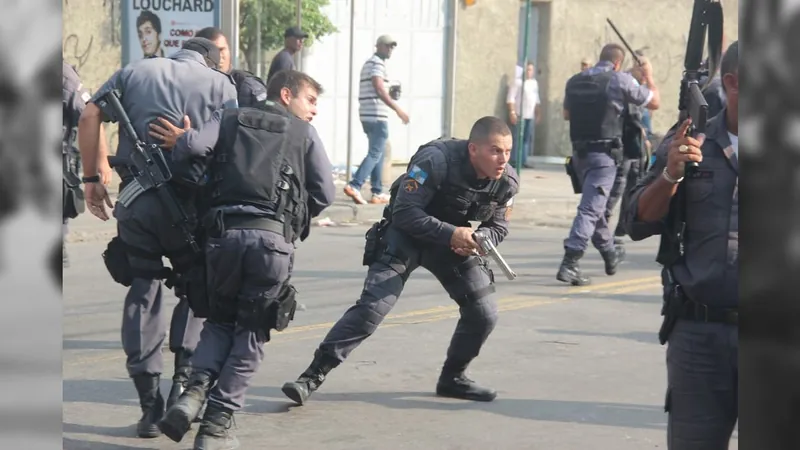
{"x": 573, "y": 175}
{"x": 261, "y": 313}
{"x": 116, "y": 259}
{"x": 374, "y": 242}
{"x": 192, "y": 284}
{"x": 73, "y": 200}
{"x": 672, "y": 305}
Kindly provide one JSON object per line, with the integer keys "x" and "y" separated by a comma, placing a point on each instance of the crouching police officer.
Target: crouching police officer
{"x": 183, "y": 84}
{"x": 269, "y": 175}
{"x": 698, "y": 211}
{"x": 449, "y": 183}
{"x": 593, "y": 103}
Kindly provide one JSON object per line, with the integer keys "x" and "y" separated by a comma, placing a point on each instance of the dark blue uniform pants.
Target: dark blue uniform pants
{"x": 144, "y": 225}
{"x": 241, "y": 264}
{"x": 597, "y": 170}
{"x": 384, "y": 284}
{"x": 703, "y": 385}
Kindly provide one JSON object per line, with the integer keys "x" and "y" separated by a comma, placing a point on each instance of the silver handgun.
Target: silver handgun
{"x": 489, "y": 249}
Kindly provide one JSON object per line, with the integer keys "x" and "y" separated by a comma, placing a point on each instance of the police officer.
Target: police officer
{"x": 593, "y": 103}
{"x": 448, "y": 184}
{"x": 174, "y": 87}
{"x": 270, "y": 175}
{"x": 252, "y": 89}
{"x": 634, "y": 157}
{"x": 701, "y": 286}
{"x": 73, "y": 98}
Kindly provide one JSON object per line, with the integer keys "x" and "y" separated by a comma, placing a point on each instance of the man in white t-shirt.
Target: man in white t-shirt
{"x": 531, "y": 114}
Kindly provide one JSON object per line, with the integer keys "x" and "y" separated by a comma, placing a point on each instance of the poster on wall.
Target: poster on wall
{"x": 153, "y": 28}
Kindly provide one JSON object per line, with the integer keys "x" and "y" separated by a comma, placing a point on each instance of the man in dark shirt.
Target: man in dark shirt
{"x": 292, "y": 43}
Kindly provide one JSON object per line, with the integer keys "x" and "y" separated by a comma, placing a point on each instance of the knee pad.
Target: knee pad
{"x": 482, "y": 313}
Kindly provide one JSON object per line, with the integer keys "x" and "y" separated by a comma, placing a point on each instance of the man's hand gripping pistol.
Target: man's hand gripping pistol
{"x": 488, "y": 249}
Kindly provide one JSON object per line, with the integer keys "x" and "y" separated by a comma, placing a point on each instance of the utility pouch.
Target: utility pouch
{"x": 116, "y": 259}
{"x": 281, "y": 312}
{"x": 193, "y": 285}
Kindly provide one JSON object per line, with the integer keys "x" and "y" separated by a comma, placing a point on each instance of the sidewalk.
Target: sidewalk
{"x": 545, "y": 199}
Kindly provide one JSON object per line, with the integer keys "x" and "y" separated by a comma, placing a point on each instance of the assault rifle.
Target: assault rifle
{"x": 706, "y": 16}
{"x": 148, "y": 167}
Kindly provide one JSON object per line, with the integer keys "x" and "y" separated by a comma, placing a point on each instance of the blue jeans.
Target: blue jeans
{"x": 526, "y": 141}
{"x": 372, "y": 165}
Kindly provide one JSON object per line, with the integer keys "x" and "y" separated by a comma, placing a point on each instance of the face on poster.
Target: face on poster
{"x": 160, "y": 27}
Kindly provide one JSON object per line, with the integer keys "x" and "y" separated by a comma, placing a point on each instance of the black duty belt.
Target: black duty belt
{"x": 242, "y": 222}
{"x": 699, "y": 312}
{"x": 604, "y": 145}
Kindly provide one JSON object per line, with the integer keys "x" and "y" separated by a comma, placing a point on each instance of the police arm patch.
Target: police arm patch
{"x": 416, "y": 173}
{"x": 410, "y": 185}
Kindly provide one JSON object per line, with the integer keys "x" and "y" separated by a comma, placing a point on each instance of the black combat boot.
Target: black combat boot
{"x": 612, "y": 258}
{"x": 183, "y": 369}
{"x": 570, "y": 272}
{"x": 180, "y": 416}
{"x": 310, "y": 380}
{"x": 214, "y": 432}
{"x": 454, "y": 383}
{"x": 152, "y": 404}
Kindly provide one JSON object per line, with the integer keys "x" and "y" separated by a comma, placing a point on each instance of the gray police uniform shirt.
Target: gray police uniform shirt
{"x": 622, "y": 88}
{"x": 74, "y": 98}
{"x": 428, "y": 167}
{"x": 319, "y": 171}
{"x": 709, "y": 273}
{"x": 174, "y": 87}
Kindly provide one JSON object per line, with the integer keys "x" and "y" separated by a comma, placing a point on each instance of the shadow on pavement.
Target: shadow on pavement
{"x": 647, "y": 337}
{"x": 594, "y": 413}
{"x": 77, "y": 444}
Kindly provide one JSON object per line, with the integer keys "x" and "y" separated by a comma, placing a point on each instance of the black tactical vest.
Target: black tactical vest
{"x": 460, "y": 197}
{"x": 260, "y": 161}
{"x": 592, "y": 117}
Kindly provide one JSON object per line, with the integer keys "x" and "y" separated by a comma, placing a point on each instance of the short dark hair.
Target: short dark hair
{"x": 210, "y": 33}
{"x": 486, "y": 127}
{"x": 293, "y": 80}
{"x": 205, "y": 48}
{"x": 730, "y": 61}
{"x": 613, "y": 53}
{"x": 149, "y": 16}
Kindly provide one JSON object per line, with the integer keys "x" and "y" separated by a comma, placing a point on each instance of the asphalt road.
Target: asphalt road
{"x": 575, "y": 368}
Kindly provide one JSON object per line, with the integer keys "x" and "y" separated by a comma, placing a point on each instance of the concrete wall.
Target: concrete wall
{"x": 91, "y": 43}
{"x": 578, "y": 28}
{"x": 487, "y": 39}
{"x": 486, "y": 55}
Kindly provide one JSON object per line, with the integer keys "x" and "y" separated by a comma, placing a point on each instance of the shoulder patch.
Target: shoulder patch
{"x": 416, "y": 173}
{"x": 410, "y": 186}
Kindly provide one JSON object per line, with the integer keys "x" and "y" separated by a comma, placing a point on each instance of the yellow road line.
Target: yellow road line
{"x": 439, "y": 313}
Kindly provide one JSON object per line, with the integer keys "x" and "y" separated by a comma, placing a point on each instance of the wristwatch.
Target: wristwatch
{"x": 667, "y": 177}
{"x": 91, "y": 179}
